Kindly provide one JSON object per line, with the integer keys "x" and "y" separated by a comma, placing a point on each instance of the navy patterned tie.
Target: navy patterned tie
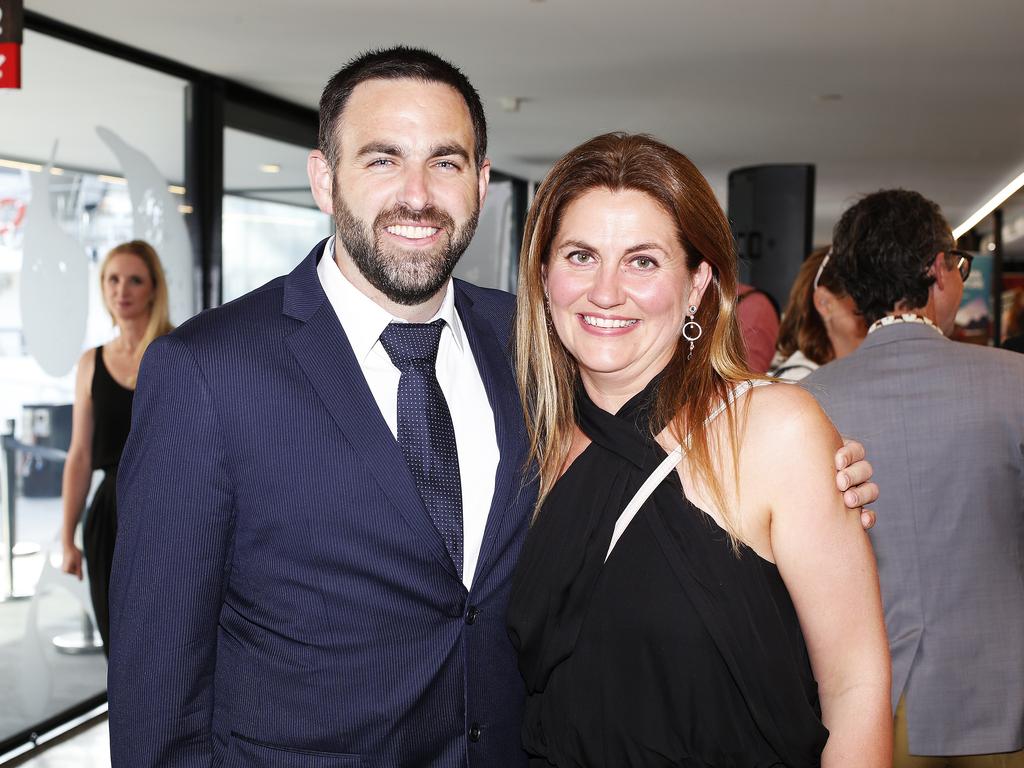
{"x": 425, "y": 430}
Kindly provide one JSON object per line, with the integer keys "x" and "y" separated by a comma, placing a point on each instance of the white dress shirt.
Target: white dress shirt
{"x": 363, "y": 321}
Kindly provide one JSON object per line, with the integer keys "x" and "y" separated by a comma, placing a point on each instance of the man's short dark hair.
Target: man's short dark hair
{"x": 883, "y": 248}
{"x": 395, "y": 63}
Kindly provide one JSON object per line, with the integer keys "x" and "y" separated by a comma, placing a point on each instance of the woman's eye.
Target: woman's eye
{"x": 644, "y": 262}
{"x": 580, "y": 257}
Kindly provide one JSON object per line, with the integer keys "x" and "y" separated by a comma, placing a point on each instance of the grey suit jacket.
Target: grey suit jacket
{"x": 943, "y": 424}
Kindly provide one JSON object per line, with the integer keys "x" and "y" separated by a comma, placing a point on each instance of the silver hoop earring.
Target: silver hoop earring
{"x": 691, "y": 329}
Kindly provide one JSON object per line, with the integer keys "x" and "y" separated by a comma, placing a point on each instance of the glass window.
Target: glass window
{"x": 270, "y": 221}
{"x": 91, "y": 155}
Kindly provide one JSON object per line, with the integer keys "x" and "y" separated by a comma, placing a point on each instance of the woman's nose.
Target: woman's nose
{"x": 606, "y": 290}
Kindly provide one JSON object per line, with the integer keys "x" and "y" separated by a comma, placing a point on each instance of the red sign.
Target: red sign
{"x": 10, "y": 65}
{"x": 11, "y": 25}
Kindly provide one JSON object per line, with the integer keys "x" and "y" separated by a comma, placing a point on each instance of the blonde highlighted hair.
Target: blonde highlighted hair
{"x": 159, "y": 313}
{"x": 689, "y": 389}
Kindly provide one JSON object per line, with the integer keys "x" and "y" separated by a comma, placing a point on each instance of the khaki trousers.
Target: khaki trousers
{"x": 901, "y": 757}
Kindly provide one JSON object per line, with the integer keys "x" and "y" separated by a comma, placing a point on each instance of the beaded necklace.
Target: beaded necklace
{"x": 903, "y": 317}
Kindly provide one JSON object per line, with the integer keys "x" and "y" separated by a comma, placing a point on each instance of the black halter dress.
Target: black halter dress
{"x": 676, "y": 652}
{"x": 112, "y": 420}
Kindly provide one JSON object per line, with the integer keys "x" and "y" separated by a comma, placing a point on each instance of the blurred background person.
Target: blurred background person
{"x": 943, "y": 423}
{"x": 820, "y": 323}
{"x": 135, "y": 293}
{"x": 758, "y": 318}
{"x": 1014, "y": 325}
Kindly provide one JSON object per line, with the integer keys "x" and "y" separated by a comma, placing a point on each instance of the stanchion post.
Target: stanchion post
{"x": 7, "y": 467}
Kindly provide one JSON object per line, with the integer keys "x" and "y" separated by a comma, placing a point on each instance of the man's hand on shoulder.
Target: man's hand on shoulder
{"x": 853, "y": 478}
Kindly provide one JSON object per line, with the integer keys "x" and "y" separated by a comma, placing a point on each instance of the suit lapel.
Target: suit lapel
{"x": 493, "y": 363}
{"x": 323, "y": 352}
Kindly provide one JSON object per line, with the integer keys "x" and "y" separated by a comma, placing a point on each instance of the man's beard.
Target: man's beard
{"x": 404, "y": 276}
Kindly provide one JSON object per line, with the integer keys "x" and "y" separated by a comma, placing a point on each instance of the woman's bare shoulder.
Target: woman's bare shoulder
{"x": 787, "y": 418}
{"x": 87, "y": 364}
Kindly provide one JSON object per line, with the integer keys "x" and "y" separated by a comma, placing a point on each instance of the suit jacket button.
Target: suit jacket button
{"x": 474, "y": 732}
{"x": 471, "y": 614}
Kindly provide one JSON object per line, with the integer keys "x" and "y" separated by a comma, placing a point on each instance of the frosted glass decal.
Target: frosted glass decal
{"x": 487, "y": 261}
{"x": 54, "y": 285}
{"x": 157, "y": 221}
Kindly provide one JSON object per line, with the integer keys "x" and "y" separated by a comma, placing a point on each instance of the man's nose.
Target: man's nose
{"x": 415, "y": 191}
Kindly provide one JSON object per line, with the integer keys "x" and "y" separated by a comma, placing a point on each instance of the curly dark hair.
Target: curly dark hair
{"x": 884, "y": 246}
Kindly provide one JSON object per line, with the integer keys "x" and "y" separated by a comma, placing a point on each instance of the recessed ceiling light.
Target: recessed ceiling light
{"x": 270, "y": 168}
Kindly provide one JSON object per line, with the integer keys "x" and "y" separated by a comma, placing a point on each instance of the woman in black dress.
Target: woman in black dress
{"x": 135, "y": 293}
{"x": 731, "y": 616}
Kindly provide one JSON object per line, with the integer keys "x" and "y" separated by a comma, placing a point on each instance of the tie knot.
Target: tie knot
{"x": 411, "y": 343}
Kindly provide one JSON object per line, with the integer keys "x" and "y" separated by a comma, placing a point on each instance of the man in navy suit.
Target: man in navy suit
{"x": 292, "y": 587}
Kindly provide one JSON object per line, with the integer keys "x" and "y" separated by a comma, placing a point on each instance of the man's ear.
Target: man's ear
{"x": 939, "y": 270}
{"x": 484, "y": 178}
{"x": 321, "y": 181}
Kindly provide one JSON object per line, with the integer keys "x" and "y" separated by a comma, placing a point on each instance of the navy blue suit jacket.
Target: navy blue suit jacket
{"x": 280, "y": 596}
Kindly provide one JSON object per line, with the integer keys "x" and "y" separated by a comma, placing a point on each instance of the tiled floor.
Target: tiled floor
{"x": 88, "y": 749}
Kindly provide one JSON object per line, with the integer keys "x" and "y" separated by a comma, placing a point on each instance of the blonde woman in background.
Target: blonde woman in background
{"x": 820, "y": 323}
{"x": 135, "y": 294}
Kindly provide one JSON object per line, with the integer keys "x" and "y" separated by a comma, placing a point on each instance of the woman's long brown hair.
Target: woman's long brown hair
{"x": 689, "y": 389}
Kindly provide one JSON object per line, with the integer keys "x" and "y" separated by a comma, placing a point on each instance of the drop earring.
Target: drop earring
{"x": 691, "y": 329}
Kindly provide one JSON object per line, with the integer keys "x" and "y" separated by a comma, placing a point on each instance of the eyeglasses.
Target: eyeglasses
{"x": 963, "y": 261}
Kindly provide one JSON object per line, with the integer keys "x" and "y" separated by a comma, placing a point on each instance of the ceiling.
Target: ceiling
{"x": 924, "y": 94}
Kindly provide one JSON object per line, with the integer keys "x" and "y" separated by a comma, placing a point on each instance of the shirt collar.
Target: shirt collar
{"x": 362, "y": 318}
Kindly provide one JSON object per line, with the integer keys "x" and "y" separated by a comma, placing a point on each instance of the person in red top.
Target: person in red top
{"x": 759, "y": 326}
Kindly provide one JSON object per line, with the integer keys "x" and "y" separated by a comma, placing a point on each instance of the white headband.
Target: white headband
{"x": 817, "y": 277}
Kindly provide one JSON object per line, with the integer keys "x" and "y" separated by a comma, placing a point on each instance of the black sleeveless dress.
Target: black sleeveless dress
{"x": 676, "y": 652}
{"x": 112, "y": 419}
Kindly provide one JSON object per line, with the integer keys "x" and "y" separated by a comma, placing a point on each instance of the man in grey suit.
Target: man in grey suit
{"x": 944, "y": 425}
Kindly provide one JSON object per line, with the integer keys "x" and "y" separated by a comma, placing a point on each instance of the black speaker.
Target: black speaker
{"x": 771, "y": 209}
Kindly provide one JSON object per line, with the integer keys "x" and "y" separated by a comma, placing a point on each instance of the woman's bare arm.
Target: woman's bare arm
{"x": 78, "y": 465}
{"x": 826, "y": 561}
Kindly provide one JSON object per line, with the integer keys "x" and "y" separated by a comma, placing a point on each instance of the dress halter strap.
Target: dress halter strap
{"x": 669, "y": 463}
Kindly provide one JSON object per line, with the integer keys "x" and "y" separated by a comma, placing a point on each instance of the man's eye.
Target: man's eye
{"x": 451, "y": 164}
{"x": 381, "y": 161}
